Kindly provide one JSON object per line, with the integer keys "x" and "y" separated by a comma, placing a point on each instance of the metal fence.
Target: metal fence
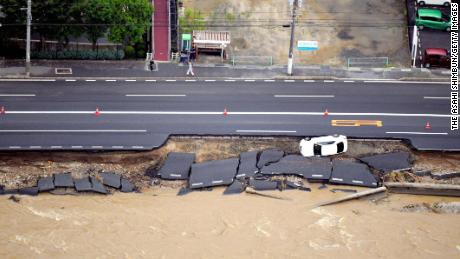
{"x": 251, "y": 60}
{"x": 368, "y": 62}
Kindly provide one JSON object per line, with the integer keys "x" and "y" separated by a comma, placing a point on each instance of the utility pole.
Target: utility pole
{"x": 291, "y": 43}
{"x": 29, "y": 21}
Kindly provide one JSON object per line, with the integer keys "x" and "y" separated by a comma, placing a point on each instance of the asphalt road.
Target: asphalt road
{"x": 61, "y": 115}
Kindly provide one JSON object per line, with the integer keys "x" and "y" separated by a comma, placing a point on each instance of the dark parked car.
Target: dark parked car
{"x": 436, "y": 57}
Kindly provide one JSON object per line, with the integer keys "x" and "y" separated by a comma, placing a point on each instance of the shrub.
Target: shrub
{"x": 130, "y": 52}
{"x": 82, "y": 54}
{"x": 141, "y": 53}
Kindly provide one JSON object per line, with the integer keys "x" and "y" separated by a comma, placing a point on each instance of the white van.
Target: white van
{"x": 433, "y": 2}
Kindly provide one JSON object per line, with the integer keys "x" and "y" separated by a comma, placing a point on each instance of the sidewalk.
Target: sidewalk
{"x": 136, "y": 69}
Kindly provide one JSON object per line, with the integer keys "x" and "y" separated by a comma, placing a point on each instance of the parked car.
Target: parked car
{"x": 446, "y": 3}
{"x": 436, "y": 57}
{"x": 432, "y": 18}
{"x": 323, "y": 146}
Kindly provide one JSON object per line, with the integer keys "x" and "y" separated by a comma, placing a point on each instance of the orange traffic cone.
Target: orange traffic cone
{"x": 427, "y": 126}
{"x": 97, "y": 113}
{"x": 225, "y": 111}
{"x": 2, "y": 110}
{"x": 326, "y": 113}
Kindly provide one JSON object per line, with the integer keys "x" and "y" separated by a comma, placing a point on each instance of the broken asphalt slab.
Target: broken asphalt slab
{"x": 63, "y": 180}
{"x": 83, "y": 185}
{"x": 32, "y": 191}
{"x": 97, "y": 186}
{"x": 352, "y": 173}
{"x": 262, "y": 185}
{"x": 126, "y": 186}
{"x": 388, "y": 162}
{"x": 310, "y": 168}
{"x": 111, "y": 179}
{"x": 248, "y": 164}
{"x": 212, "y": 173}
{"x": 236, "y": 187}
{"x": 269, "y": 156}
{"x": 177, "y": 166}
{"x": 45, "y": 184}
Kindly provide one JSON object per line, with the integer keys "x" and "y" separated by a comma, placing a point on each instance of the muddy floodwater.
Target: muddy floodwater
{"x": 159, "y": 224}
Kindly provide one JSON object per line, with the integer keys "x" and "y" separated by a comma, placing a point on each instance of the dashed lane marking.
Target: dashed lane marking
{"x": 266, "y": 131}
{"x": 150, "y": 80}
{"x": 269, "y": 80}
{"x": 170, "y": 80}
{"x": 14, "y": 147}
{"x": 404, "y": 82}
{"x": 17, "y": 95}
{"x": 70, "y": 80}
{"x": 76, "y": 147}
{"x": 308, "y": 81}
{"x": 190, "y": 80}
{"x": 110, "y": 80}
{"x": 436, "y": 97}
{"x": 349, "y": 81}
{"x": 303, "y": 96}
{"x": 156, "y": 95}
{"x": 210, "y": 80}
{"x": 90, "y": 80}
{"x": 118, "y": 147}
{"x": 96, "y": 146}
{"x": 230, "y": 80}
{"x": 56, "y": 147}
{"x": 74, "y": 131}
{"x": 289, "y": 80}
{"x": 249, "y": 80}
{"x": 130, "y": 80}
{"x": 35, "y": 147}
{"x": 329, "y": 81}
{"x": 137, "y": 147}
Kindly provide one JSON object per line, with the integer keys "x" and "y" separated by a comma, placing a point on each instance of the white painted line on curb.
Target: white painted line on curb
{"x": 17, "y": 95}
{"x": 266, "y": 131}
{"x": 436, "y": 97}
{"x": 417, "y": 133}
{"x": 289, "y": 80}
{"x": 130, "y": 80}
{"x": 303, "y": 96}
{"x": 190, "y": 80}
{"x": 76, "y": 147}
{"x": 170, "y": 80}
{"x": 14, "y": 147}
{"x": 74, "y": 131}
{"x": 308, "y": 81}
{"x": 56, "y": 147}
{"x": 405, "y": 82}
{"x": 156, "y": 95}
{"x": 269, "y": 80}
{"x": 90, "y": 80}
{"x": 150, "y": 80}
{"x": 70, "y": 80}
{"x": 110, "y": 80}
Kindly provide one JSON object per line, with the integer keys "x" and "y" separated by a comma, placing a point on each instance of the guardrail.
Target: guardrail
{"x": 368, "y": 62}
{"x": 251, "y": 60}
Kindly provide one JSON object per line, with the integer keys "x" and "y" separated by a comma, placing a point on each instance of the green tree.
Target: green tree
{"x": 192, "y": 20}
{"x": 93, "y": 17}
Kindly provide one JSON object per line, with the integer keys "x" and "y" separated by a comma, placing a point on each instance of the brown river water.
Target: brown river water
{"x": 159, "y": 224}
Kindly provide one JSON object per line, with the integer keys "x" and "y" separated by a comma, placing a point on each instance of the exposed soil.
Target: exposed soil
{"x": 20, "y": 169}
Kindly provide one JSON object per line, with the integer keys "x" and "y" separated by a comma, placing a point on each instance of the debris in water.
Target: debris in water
{"x": 14, "y": 199}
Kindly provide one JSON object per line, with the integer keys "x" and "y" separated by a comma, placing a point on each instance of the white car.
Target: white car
{"x": 433, "y": 2}
{"x": 323, "y": 146}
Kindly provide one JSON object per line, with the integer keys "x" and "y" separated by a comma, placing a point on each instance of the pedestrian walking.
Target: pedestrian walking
{"x": 190, "y": 69}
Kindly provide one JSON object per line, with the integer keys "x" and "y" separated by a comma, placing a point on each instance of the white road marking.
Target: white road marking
{"x": 328, "y": 81}
{"x": 110, "y": 80}
{"x": 74, "y": 131}
{"x": 170, "y": 80}
{"x": 130, "y": 80}
{"x": 150, "y": 80}
{"x": 156, "y": 95}
{"x": 138, "y": 147}
{"x": 349, "y": 81}
{"x": 417, "y": 133}
{"x": 197, "y": 184}
{"x": 406, "y": 70}
{"x": 317, "y": 175}
{"x": 356, "y": 181}
{"x": 303, "y": 96}
{"x": 70, "y": 80}
{"x": 14, "y": 147}
{"x": 17, "y": 95}
{"x": 56, "y": 147}
{"x": 337, "y": 179}
{"x": 118, "y": 147}
{"x": 289, "y": 80}
{"x": 404, "y": 82}
{"x": 27, "y": 80}
{"x": 175, "y": 175}
{"x": 308, "y": 81}
{"x": 267, "y": 131}
{"x": 234, "y": 113}
{"x": 249, "y": 80}
{"x": 230, "y": 80}
{"x": 190, "y": 80}
{"x": 217, "y": 182}
{"x": 210, "y": 80}
{"x": 435, "y": 97}
{"x": 90, "y": 80}
{"x": 269, "y": 80}
{"x": 96, "y": 146}
{"x": 35, "y": 147}
{"x": 76, "y": 147}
